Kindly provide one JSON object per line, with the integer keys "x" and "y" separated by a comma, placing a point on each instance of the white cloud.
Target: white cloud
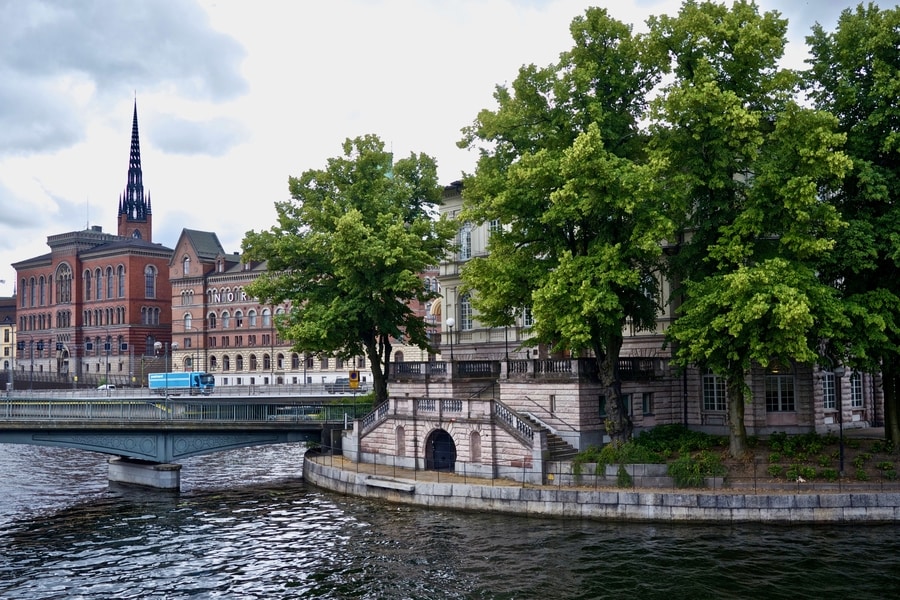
{"x": 234, "y": 97}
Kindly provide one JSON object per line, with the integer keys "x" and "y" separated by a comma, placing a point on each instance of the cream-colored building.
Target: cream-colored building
{"x": 217, "y": 327}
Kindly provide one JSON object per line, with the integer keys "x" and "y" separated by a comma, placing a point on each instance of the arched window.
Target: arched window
{"x": 31, "y": 288}
{"x": 211, "y": 319}
{"x": 267, "y": 362}
{"x": 121, "y": 278}
{"x": 98, "y": 275}
{"x": 213, "y": 363}
{"x": 266, "y": 318}
{"x": 238, "y": 318}
{"x": 239, "y": 362}
{"x": 149, "y": 281}
{"x": 110, "y": 283}
{"x": 226, "y": 363}
{"x": 295, "y": 361}
{"x": 42, "y": 290}
{"x": 226, "y": 319}
{"x": 63, "y": 284}
{"x": 253, "y": 365}
{"x": 251, "y": 315}
{"x": 186, "y": 265}
{"x": 87, "y": 284}
{"x": 188, "y": 321}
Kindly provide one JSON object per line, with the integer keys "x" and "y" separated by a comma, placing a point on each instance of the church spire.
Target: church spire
{"x": 134, "y": 208}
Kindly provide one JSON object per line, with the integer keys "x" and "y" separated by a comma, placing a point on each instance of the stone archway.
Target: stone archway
{"x": 440, "y": 451}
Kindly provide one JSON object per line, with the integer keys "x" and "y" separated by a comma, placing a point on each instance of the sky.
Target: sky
{"x": 234, "y": 97}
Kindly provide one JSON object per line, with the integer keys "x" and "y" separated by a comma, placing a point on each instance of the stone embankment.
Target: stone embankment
{"x": 441, "y": 490}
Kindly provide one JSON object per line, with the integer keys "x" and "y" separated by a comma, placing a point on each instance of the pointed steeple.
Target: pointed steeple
{"x": 134, "y": 208}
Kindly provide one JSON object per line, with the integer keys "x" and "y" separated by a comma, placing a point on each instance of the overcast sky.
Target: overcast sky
{"x": 234, "y": 96}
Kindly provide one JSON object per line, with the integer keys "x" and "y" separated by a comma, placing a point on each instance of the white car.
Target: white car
{"x": 107, "y": 386}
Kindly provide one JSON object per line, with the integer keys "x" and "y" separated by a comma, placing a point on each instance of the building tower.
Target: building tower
{"x": 135, "y": 218}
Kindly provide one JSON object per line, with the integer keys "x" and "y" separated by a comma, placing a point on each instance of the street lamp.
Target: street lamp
{"x": 157, "y": 346}
{"x": 838, "y": 374}
{"x": 450, "y": 323}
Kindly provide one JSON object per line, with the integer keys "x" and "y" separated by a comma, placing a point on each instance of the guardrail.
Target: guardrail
{"x": 156, "y": 410}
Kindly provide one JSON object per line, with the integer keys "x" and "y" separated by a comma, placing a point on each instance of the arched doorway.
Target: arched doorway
{"x": 440, "y": 451}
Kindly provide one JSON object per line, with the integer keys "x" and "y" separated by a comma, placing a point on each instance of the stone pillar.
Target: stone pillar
{"x": 162, "y": 476}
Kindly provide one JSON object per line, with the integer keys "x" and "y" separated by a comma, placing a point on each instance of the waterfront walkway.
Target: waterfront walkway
{"x": 860, "y": 503}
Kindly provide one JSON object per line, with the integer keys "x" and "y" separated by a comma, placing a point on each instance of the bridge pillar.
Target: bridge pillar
{"x": 162, "y": 476}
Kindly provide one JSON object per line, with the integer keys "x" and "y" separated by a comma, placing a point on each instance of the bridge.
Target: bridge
{"x": 149, "y": 434}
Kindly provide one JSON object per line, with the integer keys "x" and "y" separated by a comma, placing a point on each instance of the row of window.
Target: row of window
{"x": 265, "y": 363}
{"x": 98, "y": 285}
{"x": 38, "y": 291}
{"x": 38, "y": 322}
{"x": 780, "y": 395}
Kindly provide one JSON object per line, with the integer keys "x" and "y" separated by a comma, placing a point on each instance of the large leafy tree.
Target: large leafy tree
{"x": 562, "y": 170}
{"x": 751, "y": 168}
{"x": 855, "y": 75}
{"x": 347, "y": 253}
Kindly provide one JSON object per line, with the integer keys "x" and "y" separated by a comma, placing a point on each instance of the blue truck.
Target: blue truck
{"x": 188, "y": 382}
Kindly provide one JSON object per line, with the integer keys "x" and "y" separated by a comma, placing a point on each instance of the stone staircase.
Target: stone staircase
{"x": 560, "y": 450}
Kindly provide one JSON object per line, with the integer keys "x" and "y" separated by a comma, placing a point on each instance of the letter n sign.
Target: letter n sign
{"x": 354, "y": 380}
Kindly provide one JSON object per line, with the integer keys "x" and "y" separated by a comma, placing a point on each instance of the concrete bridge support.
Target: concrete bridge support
{"x": 162, "y": 476}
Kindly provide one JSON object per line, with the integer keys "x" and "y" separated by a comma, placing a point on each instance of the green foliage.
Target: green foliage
{"x": 611, "y": 454}
{"x": 775, "y": 470}
{"x": 796, "y": 471}
{"x": 675, "y": 438}
{"x": 691, "y": 470}
{"x": 775, "y": 457}
{"x": 829, "y": 474}
{"x": 623, "y": 478}
{"x": 861, "y": 475}
{"x": 347, "y": 252}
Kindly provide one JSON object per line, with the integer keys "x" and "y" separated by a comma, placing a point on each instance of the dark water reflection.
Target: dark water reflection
{"x": 245, "y": 526}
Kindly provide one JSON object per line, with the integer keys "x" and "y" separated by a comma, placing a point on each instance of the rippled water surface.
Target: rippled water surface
{"x": 245, "y": 526}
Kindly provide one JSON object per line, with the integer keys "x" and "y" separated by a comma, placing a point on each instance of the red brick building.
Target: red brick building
{"x": 92, "y": 308}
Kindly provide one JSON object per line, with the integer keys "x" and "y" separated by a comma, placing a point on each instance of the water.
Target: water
{"x": 245, "y": 526}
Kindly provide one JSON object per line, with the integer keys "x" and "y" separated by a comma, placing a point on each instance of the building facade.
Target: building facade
{"x": 91, "y": 310}
{"x": 784, "y": 397}
{"x": 217, "y": 327}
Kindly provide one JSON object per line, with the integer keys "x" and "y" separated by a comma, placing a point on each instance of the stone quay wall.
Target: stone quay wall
{"x": 546, "y": 501}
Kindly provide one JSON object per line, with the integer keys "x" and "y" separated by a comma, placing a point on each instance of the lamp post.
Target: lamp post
{"x": 838, "y": 375}
{"x": 157, "y": 346}
{"x": 450, "y": 323}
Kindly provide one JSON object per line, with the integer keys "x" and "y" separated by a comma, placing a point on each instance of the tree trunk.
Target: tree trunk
{"x": 737, "y": 439}
{"x": 619, "y": 426}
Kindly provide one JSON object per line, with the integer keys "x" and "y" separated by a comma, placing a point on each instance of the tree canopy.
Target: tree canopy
{"x": 562, "y": 169}
{"x": 854, "y": 74}
{"x": 348, "y": 251}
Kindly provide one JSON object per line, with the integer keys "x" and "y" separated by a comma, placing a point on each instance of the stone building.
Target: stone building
{"x": 91, "y": 309}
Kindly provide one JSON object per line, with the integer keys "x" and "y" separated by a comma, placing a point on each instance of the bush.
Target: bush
{"x": 691, "y": 471}
{"x": 775, "y": 470}
{"x": 611, "y": 454}
{"x": 623, "y": 479}
{"x": 677, "y": 439}
{"x": 829, "y": 474}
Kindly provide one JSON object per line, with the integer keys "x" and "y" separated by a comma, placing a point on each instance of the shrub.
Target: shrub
{"x": 610, "y": 454}
{"x": 829, "y": 474}
{"x": 796, "y": 471}
{"x": 623, "y": 478}
{"x": 824, "y": 460}
{"x": 690, "y": 471}
{"x": 775, "y": 457}
{"x": 861, "y": 475}
{"x": 775, "y": 470}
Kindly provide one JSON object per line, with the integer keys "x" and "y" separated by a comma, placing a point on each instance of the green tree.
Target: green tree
{"x": 347, "y": 253}
{"x": 855, "y": 74}
{"x": 562, "y": 169}
{"x": 749, "y": 167}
